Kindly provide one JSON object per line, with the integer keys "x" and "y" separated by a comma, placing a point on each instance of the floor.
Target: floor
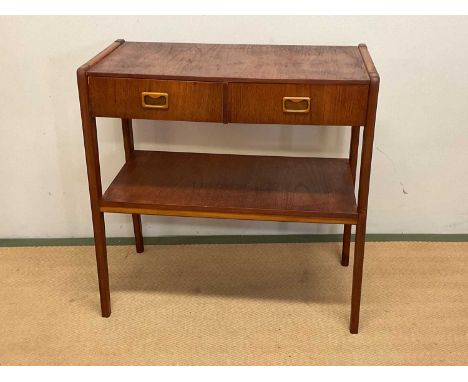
{"x": 235, "y": 304}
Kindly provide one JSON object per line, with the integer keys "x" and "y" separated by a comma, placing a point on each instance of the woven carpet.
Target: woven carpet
{"x": 237, "y": 304}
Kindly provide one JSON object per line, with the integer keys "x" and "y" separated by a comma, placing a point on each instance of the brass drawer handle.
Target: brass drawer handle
{"x": 152, "y": 100}
{"x": 296, "y": 104}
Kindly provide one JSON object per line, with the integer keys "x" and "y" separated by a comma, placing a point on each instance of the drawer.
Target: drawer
{"x": 156, "y": 99}
{"x": 299, "y": 104}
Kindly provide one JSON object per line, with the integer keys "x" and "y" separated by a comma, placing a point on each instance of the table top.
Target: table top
{"x": 234, "y": 62}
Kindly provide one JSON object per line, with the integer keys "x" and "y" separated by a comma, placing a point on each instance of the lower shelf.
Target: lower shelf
{"x": 234, "y": 186}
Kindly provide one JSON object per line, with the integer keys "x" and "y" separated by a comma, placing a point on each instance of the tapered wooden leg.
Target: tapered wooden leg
{"x": 138, "y": 233}
{"x": 101, "y": 261}
{"x": 353, "y": 156}
{"x": 363, "y": 193}
{"x": 357, "y": 274}
{"x": 129, "y": 147}
{"x": 95, "y": 190}
{"x": 346, "y": 245}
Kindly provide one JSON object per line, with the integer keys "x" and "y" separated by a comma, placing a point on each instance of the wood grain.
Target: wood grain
{"x": 145, "y": 210}
{"x": 353, "y": 157}
{"x": 188, "y": 100}
{"x": 329, "y": 104}
{"x": 94, "y": 179}
{"x": 129, "y": 148}
{"x": 363, "y": 194}
{"x": 232, "y": 83}
{"x": 235, "y": 184}
{"x": 84, "y": 69}
{"x": 215, "y": 62}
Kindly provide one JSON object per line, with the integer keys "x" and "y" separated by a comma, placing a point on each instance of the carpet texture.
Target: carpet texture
{"x": 240, "y": 304}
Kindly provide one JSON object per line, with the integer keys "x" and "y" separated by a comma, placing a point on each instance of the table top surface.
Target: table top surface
{"x": 234, "y": 62}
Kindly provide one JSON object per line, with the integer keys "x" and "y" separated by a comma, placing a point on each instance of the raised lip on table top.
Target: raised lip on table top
{"x": 362, "y": 48}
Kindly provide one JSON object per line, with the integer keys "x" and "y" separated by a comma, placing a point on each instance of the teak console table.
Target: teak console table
{"x": 294, "y": 85}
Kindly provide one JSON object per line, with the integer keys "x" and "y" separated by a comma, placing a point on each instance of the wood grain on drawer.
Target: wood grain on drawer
{"x": 187, "y": 100}
{"x": 329, "y": 104}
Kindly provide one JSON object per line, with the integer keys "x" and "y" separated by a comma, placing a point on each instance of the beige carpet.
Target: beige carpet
{"x": 255, "y": 304}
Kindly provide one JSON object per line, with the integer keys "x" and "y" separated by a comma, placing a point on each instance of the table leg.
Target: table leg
{"x": 353, "y": 155}
{"x": 137, "y": 230}
{"x": 129, "y": 147}
{"x": 101, "y": 261}
{"x": 363, "y": 193}
{"x": 95, "y": 191}
{"x": 357, "y": 274}
{"x": 346, "y": 245}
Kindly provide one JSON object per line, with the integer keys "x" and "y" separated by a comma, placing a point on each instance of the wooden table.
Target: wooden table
{"x": 254, "y": 84}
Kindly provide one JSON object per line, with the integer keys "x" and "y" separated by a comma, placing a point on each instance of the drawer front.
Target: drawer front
{"x": 156, "y": 99}
{"x": 299, "y": 104}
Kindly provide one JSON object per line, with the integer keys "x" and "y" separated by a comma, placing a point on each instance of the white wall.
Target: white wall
{"x": 420, "y": 168}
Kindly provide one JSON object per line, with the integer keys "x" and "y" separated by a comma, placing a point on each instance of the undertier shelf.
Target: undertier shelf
{"x": 234, "y": 186}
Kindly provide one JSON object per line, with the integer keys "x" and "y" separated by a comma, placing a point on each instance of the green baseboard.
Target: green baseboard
{"x": 229, "y": 239}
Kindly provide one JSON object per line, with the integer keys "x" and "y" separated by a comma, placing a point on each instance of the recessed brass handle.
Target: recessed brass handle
{"x": 296, "y": 104}
{"x": 152, "y": 100}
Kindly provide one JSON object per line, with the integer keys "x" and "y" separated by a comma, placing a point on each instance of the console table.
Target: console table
{"x": 254, "y": 84}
